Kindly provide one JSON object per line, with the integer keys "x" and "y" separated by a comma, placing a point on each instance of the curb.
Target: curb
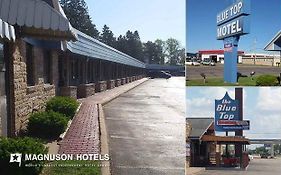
{"x": 105, "y": 169}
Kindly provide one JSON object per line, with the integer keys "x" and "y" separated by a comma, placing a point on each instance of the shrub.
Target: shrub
{"x": 24, "y": 146}
{"x": 64, "y": 105}
{"x": 48, "y": 124}
{"x": 267, "y": 80}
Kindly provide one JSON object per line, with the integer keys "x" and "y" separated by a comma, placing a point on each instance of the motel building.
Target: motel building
{"x": 217, "y": 56}
{"x": 206, "y": 149}
{"x": 42, "y": 56}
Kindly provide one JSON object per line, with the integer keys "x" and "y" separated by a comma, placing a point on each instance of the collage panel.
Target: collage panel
{"x": 233, "y": 87}
{"x": 232, "y": 129}
{"x": 92, "y": 87}
{"x": 231, "y": 43}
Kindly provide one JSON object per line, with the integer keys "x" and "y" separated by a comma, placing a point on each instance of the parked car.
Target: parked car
{"x": 208, "y": 62}
{"x": 192, "y": 63}
{"x": 265, "y": 156}
{"x": 159, "y": 74}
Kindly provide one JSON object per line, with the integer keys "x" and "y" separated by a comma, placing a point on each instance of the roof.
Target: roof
{"x": 7, "y": 32}
{"x": 36, "y": 17}
{"x": 225, "y": 139}
{"x": 221, "y": 52}
{"x": 275, "y": 43}
{"x": 90, "y": 47}
{"x": 199, "y": 126}
{"x": 163, "y": 67}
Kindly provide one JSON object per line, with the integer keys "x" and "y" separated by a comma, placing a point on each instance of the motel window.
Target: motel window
{"x": 30, "y": 65}
{"x": 47, "y": 66}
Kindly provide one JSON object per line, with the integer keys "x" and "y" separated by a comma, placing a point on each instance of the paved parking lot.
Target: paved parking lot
{"x": 193, "y": 72}
{"x": 256, "y": 167}
{"x": 146, "y": 128}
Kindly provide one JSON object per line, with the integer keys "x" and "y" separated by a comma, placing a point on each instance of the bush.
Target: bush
{"x": 24, "y": 146}
{"x": 64, "y": 105}
{"x": 267, "y": 80}
{"x": 48, "y": 124}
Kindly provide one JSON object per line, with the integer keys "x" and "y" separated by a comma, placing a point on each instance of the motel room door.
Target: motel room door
{"x": 3, "y": 98}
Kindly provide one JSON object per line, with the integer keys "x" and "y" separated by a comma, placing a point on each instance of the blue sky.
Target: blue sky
{"x": 152, "y": 18}
{"x": 261, "y": 107}
{"x": 265, "y": 22}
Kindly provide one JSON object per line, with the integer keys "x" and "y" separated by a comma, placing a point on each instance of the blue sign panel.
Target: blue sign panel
{"x": 238, "y": 26}
{"x": 227, "y": 116}
{"x": 226, "y": 110}
{"x": 237, "y": 9}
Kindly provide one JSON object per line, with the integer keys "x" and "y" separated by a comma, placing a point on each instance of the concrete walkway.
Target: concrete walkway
{"x": 83, "y": 136}
{"x": 146, "y": 129}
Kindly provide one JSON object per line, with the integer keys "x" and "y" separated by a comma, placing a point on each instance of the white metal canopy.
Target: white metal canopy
{"x": 36, "y": 14}
{"x": 7, "y": 32}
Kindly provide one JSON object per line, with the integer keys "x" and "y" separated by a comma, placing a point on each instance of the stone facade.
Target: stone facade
{"x": 128, "y": 80}
{"x": 118, "y": 82}
{"x": 69, "y": 91}
{"x": 110, "y": 84}
{"x": 101, "y": 86}
{"x": 85, "y": 90}
{"x": 123, "y": 81}
{"x": 27, "y": 99}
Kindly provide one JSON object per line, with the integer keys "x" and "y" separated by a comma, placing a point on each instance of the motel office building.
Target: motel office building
{"x": 42, "y": 56}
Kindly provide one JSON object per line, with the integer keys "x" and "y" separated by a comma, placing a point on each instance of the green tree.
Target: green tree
{"x": 181, "y": 55}
{"x": 107, "y": 36}
{"x": 121, "y": 44}
{"x": 153, "y": 52}
{"x": 134, "y": 45}
{"x": 161, "y": 46}
{"x": 172, "y": 48}
{"x": 131, "y": 45}
{"x": 78, "y": 15}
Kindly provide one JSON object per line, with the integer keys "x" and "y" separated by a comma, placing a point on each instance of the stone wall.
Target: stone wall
{"x": 118, "y": 82}
{"x": 85, "y": 90}
{"x": 123, "y": 81}
{"x": 101, "y": 86}
{"x": 110, "y": 84}
{"x": 128, "y": 80}
{"x": 69, "y": 91}
{"x": 27, "y": 99}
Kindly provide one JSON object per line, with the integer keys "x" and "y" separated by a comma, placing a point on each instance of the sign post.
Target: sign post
{"x": 231, "y": 24}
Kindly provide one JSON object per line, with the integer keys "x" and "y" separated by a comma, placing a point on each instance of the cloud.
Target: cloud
{"x": 269, "y": 99}
{"x": 200, "y": 101}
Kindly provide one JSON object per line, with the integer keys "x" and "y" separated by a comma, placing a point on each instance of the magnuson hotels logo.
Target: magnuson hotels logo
{"x": 19, "y": 158}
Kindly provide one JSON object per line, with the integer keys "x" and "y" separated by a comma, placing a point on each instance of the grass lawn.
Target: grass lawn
{"x": 72, "y": 167}
{"x": 243, "y": 81}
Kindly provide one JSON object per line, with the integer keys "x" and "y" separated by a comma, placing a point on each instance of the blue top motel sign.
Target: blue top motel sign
{"x": 227, "y": 115}
{"x": 234, "y": 20}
